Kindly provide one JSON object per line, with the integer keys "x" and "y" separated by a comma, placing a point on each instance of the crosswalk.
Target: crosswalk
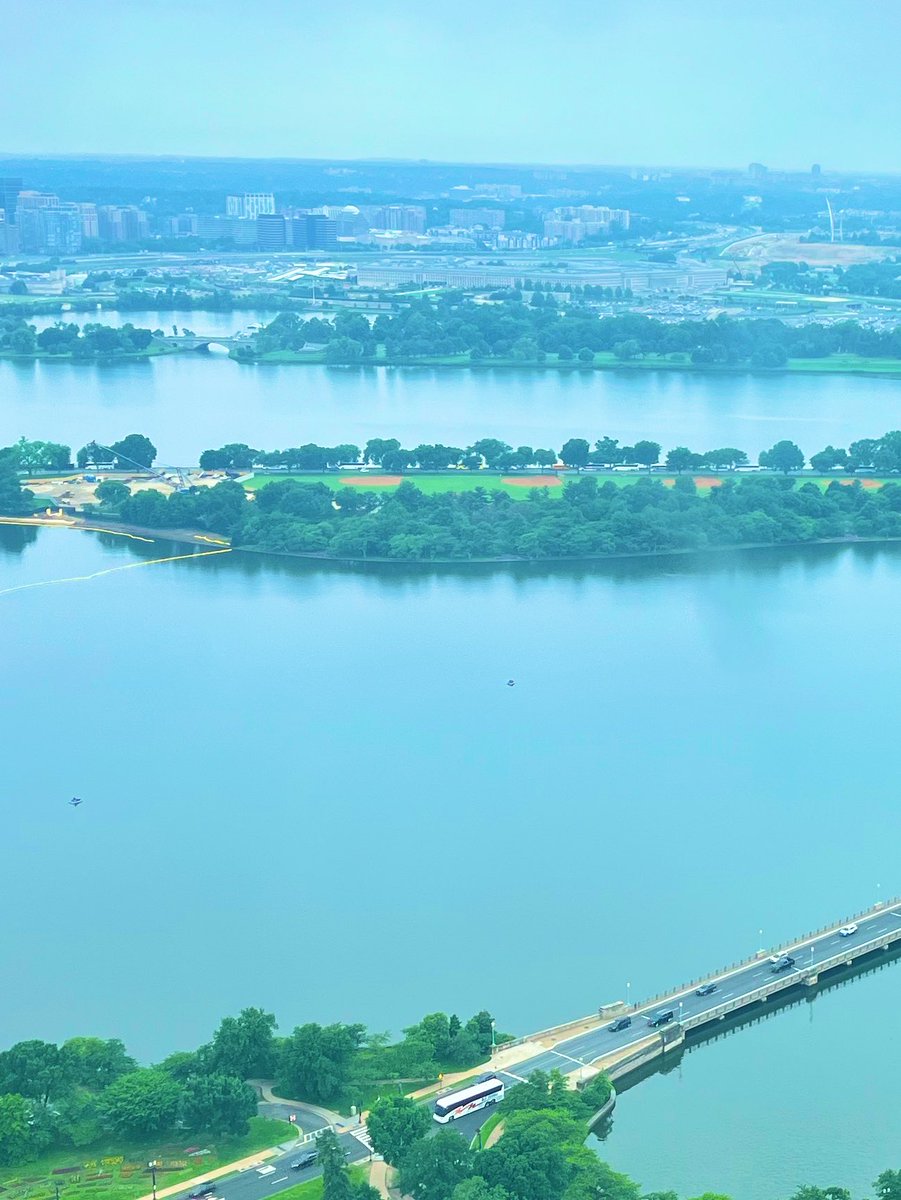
{"x": 361, "y": 1133}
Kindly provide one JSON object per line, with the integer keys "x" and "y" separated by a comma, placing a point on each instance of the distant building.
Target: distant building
{"x": 10, "y": 186}
{"x": 29, "y": 206}
{"x": 469, "y": 218}
{"x": 314, "y": 231}
{"x": 409, "y": 218}
{"x": 499, "y": 191}
{"x": 757, "y": 170}
{"x": 122, "y": 223}
{"x": 60, "y": 229}
{"x": 816, "y": 170}
{"x": 90, "y": 227}
{"x": 271, "y": 231}
{"x": 251, "y": 205}
{"x": 574, "y": 223}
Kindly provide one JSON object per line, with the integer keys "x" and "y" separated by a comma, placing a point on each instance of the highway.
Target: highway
{"x": 744, "y": 985}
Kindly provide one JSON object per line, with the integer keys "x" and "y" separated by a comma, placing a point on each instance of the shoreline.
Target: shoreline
{"x": 193, "y": 537}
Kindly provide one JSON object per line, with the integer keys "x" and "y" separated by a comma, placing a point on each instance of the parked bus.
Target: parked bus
{"x": 467, "y": 1100}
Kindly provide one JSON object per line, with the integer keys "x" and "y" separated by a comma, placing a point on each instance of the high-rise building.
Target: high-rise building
{"x": 408, "y": 218}
{"x": 322, "y": 232}
{"x": 61, "y": 229}
{"x": 272, "y": 231}
{"x": 90, "y": 227}
{"x": 122, "y": 223}
{"x": 10, "y": 186}
{"x": 29, "y": 206}
{"x": 251, "y": 205}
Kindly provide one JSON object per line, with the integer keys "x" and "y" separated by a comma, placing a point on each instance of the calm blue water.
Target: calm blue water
{"x": 310, "y": 788}
{"x": 189, "y": 402}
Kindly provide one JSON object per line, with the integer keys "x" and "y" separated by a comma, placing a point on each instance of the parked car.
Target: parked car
{"x": 847, "y": 930}
{"x": 305, "y": 1160}
{"x": 205, "y": 1189}
{"x": 620, "y": 1023}
{"x": 706, "y": 989}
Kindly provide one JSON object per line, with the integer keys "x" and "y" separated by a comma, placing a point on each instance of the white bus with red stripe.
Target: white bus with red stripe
{"x": 467, "y": 1100}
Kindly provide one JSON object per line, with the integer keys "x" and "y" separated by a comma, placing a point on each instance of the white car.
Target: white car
{"x": 847, "y": 930}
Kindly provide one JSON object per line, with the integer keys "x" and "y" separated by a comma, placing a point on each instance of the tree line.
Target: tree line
{"x": 881, "y": 455}
{"x": 70, "y": 1096}
{"x": 510, "y": 330}
{"x": 92, "y": 340}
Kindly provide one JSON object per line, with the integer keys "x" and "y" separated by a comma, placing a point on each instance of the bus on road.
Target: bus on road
{"x": 469, "y": 1099}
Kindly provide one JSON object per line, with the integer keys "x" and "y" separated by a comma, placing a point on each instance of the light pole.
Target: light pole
{"x": 152, "y": 1166}
{"x": 680, "y": 1012}
{"x": 759, "y": 941}
{"x": 628, "y": 994}
{"x": 492, "y": 1037}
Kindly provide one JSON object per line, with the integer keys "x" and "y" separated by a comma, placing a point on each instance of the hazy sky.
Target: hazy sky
{"x": 706, "y": 82}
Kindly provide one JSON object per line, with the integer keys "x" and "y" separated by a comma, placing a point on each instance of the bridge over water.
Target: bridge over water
{"x": 582, "y": 1048}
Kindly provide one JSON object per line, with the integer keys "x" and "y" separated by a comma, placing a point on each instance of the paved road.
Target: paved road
{"x": 584, "y": 1048}
{"x": 571, "y": 1054}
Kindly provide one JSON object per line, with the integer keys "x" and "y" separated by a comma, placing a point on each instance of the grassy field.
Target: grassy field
{"x": 465, "y": 481}
{"x": 605, "y": 360}
{"x": 312, "y": 1189}
{"x": 481, "y": 1136}
{"x": 116, "y": 1171}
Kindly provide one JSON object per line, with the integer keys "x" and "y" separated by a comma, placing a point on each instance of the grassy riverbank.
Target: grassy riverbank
{"x": 117, "y": 1170}
{"x": 605, "y": 360}
{"x": 156, "y": 350}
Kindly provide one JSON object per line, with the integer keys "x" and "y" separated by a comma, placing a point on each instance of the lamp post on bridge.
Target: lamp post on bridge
{"x": 628, "y": 994}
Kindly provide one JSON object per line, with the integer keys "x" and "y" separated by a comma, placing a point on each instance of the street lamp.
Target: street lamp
{"x": 152, "y": 1166}
{"x": 628, "y": 994}
{"x": 680, "y": 1012}
{"x": 492, "y": 1036}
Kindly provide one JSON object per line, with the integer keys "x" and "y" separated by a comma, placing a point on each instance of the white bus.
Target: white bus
{"x": 467, "y": 1100}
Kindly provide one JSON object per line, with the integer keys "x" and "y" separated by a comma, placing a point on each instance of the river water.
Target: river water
{"x": 189, "y": 402}
{"x": 311, "y": 788}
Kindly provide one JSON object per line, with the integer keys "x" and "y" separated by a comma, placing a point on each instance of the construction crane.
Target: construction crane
{"x": 162, "y": 473}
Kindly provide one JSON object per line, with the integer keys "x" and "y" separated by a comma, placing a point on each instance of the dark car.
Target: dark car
{"x": 305, "y": 1160}
{"x": 205, "y": 1189}
{"x": 706, "y": 989}
{"x": 620, "y": 1023}
{"x": 782, "y": 963}
{"x": 661, "y": 1018}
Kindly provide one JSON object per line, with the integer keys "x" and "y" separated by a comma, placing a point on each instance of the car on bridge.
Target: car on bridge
{"x": 706, "y": 989}
{"x": 619, "y": 1024}
{"x": 782, "y": 963}
{"x": 848, "y": 930}
{"x": 661, "y": 1018}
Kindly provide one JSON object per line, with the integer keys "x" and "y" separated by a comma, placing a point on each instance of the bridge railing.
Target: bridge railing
{"x": 596, "y": 1018}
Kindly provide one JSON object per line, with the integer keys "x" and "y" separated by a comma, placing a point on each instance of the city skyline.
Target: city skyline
{"x": 642, "y": 83}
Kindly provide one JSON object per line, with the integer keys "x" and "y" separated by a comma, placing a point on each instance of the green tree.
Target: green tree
{"x": 36, "y": 1070}
{"x": 15, "y": 1129}
{"x": 95, "y": 1063}
{"x": 586, "y": 355}
{"x": 682, "y": 459}
{"x": 336, "y": 1184}
{"x": 395, "y": 1124}
{"x": 887, "y": 1186}
{"x": 112, "y": 493}
{"x": 316, "y": 1060}
{"x": 575, "y": 452}
{"x": 829, "y": 459}
{"x": 476, "y": 1188}
{"x": 218, "y": 1104}
{"x": 343, "y": 350}
{"x": 376, "y": 448}
{"x": 245, "y": 1045}
{"x": 143, "y": 1103}
{"x": 785, "y": 456}
{"x": 646, "y": 453}
{"x": 435, "y": 1166}
{"x": 132, "y": 451}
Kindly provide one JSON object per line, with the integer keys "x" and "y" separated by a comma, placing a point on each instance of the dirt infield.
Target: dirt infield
{"x": 373, "y": 480}
{"x": 701, "y": 481}
{"x": 867, "y": 483}
{"x": 533, "y": 481}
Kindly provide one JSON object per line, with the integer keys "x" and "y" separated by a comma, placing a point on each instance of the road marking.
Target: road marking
{"x": 513, "y": 1075}
{"x": 569, "y": 1058}
{"x": 281, "y": 1179}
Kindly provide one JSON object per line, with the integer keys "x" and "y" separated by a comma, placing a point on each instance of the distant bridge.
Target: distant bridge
{"x": 203, "y": 342}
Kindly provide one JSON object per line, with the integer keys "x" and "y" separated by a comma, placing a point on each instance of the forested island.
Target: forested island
{"x": 18, "y": 339}
{"x": 546, "y": 332}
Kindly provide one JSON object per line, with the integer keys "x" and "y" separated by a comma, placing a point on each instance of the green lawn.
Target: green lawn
{"x": 312, "y": 1189}
{"x": 116, "y": 1171}
{"x": 478, "y": 1141}
{"x": 466, "y": 481}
